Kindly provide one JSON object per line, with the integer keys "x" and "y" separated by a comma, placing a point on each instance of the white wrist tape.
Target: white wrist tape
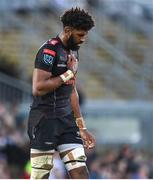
{"x": 80, "y": 123}
{"x": 67, "y": 75}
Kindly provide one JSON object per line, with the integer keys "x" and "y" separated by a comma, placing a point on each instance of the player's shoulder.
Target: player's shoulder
{"x": 53, "y": 42}
{"x": 50, "y": 44}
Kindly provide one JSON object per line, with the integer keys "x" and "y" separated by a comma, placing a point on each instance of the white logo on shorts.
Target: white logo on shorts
{"x": 78, "y": 133}
{"x": 48, "y": 143}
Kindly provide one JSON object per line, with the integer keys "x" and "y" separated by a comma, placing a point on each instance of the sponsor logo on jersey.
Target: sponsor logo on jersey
{"x": 61, "y": 65}
{"x": 49, "y": 51}
{"x": 63, "y": 58}
{"x": 48, "y": 59}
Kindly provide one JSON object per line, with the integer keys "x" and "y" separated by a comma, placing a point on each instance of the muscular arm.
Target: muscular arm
{"x": 88, "y": 139}
{"x": 75, "y": 103}
{"x": 43, "y": 82}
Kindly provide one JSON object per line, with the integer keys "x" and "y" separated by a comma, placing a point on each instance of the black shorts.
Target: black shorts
{"x": 47, "y": 133}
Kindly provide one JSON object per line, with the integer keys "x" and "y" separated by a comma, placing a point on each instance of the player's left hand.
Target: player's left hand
{"x": 88, "y": 138}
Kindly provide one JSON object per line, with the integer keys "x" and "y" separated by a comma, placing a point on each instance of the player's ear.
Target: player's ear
{"x": 68, "y": 31}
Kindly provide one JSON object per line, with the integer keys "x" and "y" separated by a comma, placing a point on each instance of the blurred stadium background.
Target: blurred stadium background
{"x": 115, "y": 83}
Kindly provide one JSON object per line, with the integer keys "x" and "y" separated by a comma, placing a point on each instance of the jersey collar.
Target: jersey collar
{"x": 58, "y": 38}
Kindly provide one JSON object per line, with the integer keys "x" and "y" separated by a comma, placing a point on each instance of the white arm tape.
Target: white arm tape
{"x": 67, "y": 75}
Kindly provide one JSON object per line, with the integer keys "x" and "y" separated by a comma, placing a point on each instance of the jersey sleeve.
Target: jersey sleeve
{"x": 45, "y": 58}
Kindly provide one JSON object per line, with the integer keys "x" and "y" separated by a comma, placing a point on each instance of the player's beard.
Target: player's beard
{"x": 71, "y": 44}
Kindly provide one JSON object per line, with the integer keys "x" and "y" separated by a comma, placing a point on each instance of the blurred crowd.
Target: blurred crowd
{"x": 124, "y": 162}
{"x": 14, "y": 149}
{"x": 103, "y": 162}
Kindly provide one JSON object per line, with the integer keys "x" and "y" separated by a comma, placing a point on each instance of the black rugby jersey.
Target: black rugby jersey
{"x": 52, "y": 57}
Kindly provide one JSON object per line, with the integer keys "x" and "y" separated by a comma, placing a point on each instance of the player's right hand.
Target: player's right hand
{"x": 72, "y": 63}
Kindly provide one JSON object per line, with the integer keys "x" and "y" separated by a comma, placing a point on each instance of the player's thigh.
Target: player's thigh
{"x": 74, "y": 158}
{"x": 70, "y": 147}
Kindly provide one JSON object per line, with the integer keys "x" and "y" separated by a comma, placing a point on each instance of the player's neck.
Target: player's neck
{"x": 63, "y": 38}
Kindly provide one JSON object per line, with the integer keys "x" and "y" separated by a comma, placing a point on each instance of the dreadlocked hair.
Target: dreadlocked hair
{"x": 78, "y": 19}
